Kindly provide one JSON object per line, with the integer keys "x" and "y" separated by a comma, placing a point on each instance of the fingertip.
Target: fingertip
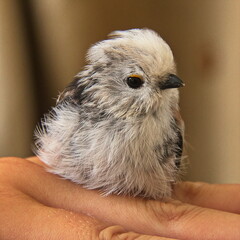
{"x": 111, "y": 233}
{"x": 119, "y": 233}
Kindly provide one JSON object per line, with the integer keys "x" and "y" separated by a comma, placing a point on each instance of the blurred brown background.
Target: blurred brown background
{"x": 43, "y": 43}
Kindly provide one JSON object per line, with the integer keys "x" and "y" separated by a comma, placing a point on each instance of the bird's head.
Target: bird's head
{"x": 131, "y": 73}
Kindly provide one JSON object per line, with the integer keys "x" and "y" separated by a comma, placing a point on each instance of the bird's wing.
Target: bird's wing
{"x": 179, "y": 128}
{"x": 70, "y": 91}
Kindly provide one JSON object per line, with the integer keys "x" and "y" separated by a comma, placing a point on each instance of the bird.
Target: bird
{"x": 116, "y": 127}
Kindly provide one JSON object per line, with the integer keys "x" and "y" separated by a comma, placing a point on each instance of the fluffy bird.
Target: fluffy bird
{"x": 116, "y": 127}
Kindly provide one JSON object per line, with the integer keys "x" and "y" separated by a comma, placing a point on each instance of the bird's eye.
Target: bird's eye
{"x": 134, "y": 81}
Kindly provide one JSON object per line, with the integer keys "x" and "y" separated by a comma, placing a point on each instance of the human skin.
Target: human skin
{"x": 35, "y": 204}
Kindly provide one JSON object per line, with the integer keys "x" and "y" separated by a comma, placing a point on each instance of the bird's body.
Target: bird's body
{"x": 117, "y": 126}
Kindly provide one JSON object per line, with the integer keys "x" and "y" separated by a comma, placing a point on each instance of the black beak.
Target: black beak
{"x": 172, "y": 82}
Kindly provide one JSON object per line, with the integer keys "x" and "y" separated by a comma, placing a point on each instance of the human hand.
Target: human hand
{"x": 35, "y": 204}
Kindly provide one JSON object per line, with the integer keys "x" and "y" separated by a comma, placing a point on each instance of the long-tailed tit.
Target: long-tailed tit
{"x": 117, "y": 126}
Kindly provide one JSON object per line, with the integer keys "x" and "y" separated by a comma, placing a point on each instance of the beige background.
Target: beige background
{"x": 205, "y": 38}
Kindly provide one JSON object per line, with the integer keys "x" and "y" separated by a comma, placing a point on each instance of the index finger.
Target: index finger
{"x": 225, "y": 197}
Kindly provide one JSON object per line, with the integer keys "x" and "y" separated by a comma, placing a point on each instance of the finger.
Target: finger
{"x": 225, "y": 197}
{"x": 24, "y": 218}
{"x": 117, "y": 233}
{"x": 171, "y": 219}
